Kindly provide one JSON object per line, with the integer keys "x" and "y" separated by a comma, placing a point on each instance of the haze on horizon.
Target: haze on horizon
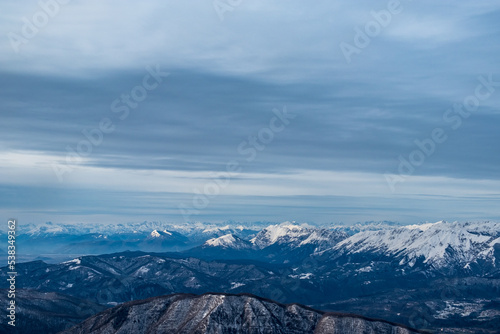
{"x": 279, "y": 111}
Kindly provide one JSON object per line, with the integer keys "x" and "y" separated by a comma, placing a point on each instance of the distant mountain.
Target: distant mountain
{"x": 193, "y": 230}
{"x": 218, "y": 231}
{"x": 446, "y": 248}
{"x": 224, "y": 314}
{"x": 51, "y": 241}
{"x": 365, "y": 226}
{"x": 58, "y": 242}
{"x": 287, "y": 242}
{"x": 281, "y": 243}
{"x": 94, "y": 243}
{"x": 226, "y": 247}
{"x": 294, "y": 236}
{"x": 228, "y": 241}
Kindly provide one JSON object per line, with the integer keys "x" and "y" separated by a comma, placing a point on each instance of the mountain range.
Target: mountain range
{"x": 282, "y": 243}
{"x": 428, "y": 276}
{"x": 52, "y": 242}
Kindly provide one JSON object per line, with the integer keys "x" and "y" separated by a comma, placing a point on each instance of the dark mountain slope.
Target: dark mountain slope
{"x": 45, "y": 312}
{"x": 227, "y": 313}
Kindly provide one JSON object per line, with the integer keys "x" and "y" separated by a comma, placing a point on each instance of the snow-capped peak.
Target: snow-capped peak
{"x": 438, "y": 243}
{"x": 228, "y": 241}
{"x": 295, "y": 236}
{"x": 155, "y": 234}
{"x": 423, "y": 227}
{"x": 273, "y": 233}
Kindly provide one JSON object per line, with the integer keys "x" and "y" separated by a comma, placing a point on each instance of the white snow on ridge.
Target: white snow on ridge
{"x": 273, "y": 233}
{"x": 422, "y": 227}
{"x": 227, "y": 241}
{"x": 295, "y": 236}
{"x": 469, "y": 241}
{"x": 46, "y": 228}
{"x": 276, "y": 231}
{"x": 313, "y": 238}
{"x": 75, "y": 261}
{"x": 216, "y": 229}
{"x": 496, "y": 241}
{"x": 123, "y": 228}
{"x": 156, "y": 234}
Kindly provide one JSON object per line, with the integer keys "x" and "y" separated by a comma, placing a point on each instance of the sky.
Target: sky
{"x": 317, "y": 112}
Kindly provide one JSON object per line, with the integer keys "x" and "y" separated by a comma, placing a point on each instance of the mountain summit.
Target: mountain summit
{"x": 213, "y": 313}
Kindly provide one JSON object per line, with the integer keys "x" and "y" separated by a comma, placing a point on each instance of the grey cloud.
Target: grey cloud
{"x": 226, "y": 77}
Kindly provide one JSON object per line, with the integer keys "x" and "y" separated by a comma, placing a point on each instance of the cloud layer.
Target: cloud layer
{"x": 352, "y": 118}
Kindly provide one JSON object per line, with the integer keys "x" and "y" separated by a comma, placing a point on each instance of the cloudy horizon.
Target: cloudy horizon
{"x": 320, "y": 113}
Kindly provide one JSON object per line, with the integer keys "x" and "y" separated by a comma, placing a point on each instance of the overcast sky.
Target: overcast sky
{"x": 312, "y": 106}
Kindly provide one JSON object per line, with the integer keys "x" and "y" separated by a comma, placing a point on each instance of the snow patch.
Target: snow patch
{"x": 365, "y": 269}
{"x": 227, "y": 241}
{"x": 235, "y": 285}
{"x": 75, "y": 261}
{"x": 142, "y": 270}
{"x": 216, "y": 229}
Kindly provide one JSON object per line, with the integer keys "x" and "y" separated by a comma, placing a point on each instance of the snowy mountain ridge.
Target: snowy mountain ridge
{"x": 228, "y": 241}
{"x": 285, "y": 232}
{"x": 296, "y": 236}
{"x": 437, "y": 243}
{"x": 184, "y": 228}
